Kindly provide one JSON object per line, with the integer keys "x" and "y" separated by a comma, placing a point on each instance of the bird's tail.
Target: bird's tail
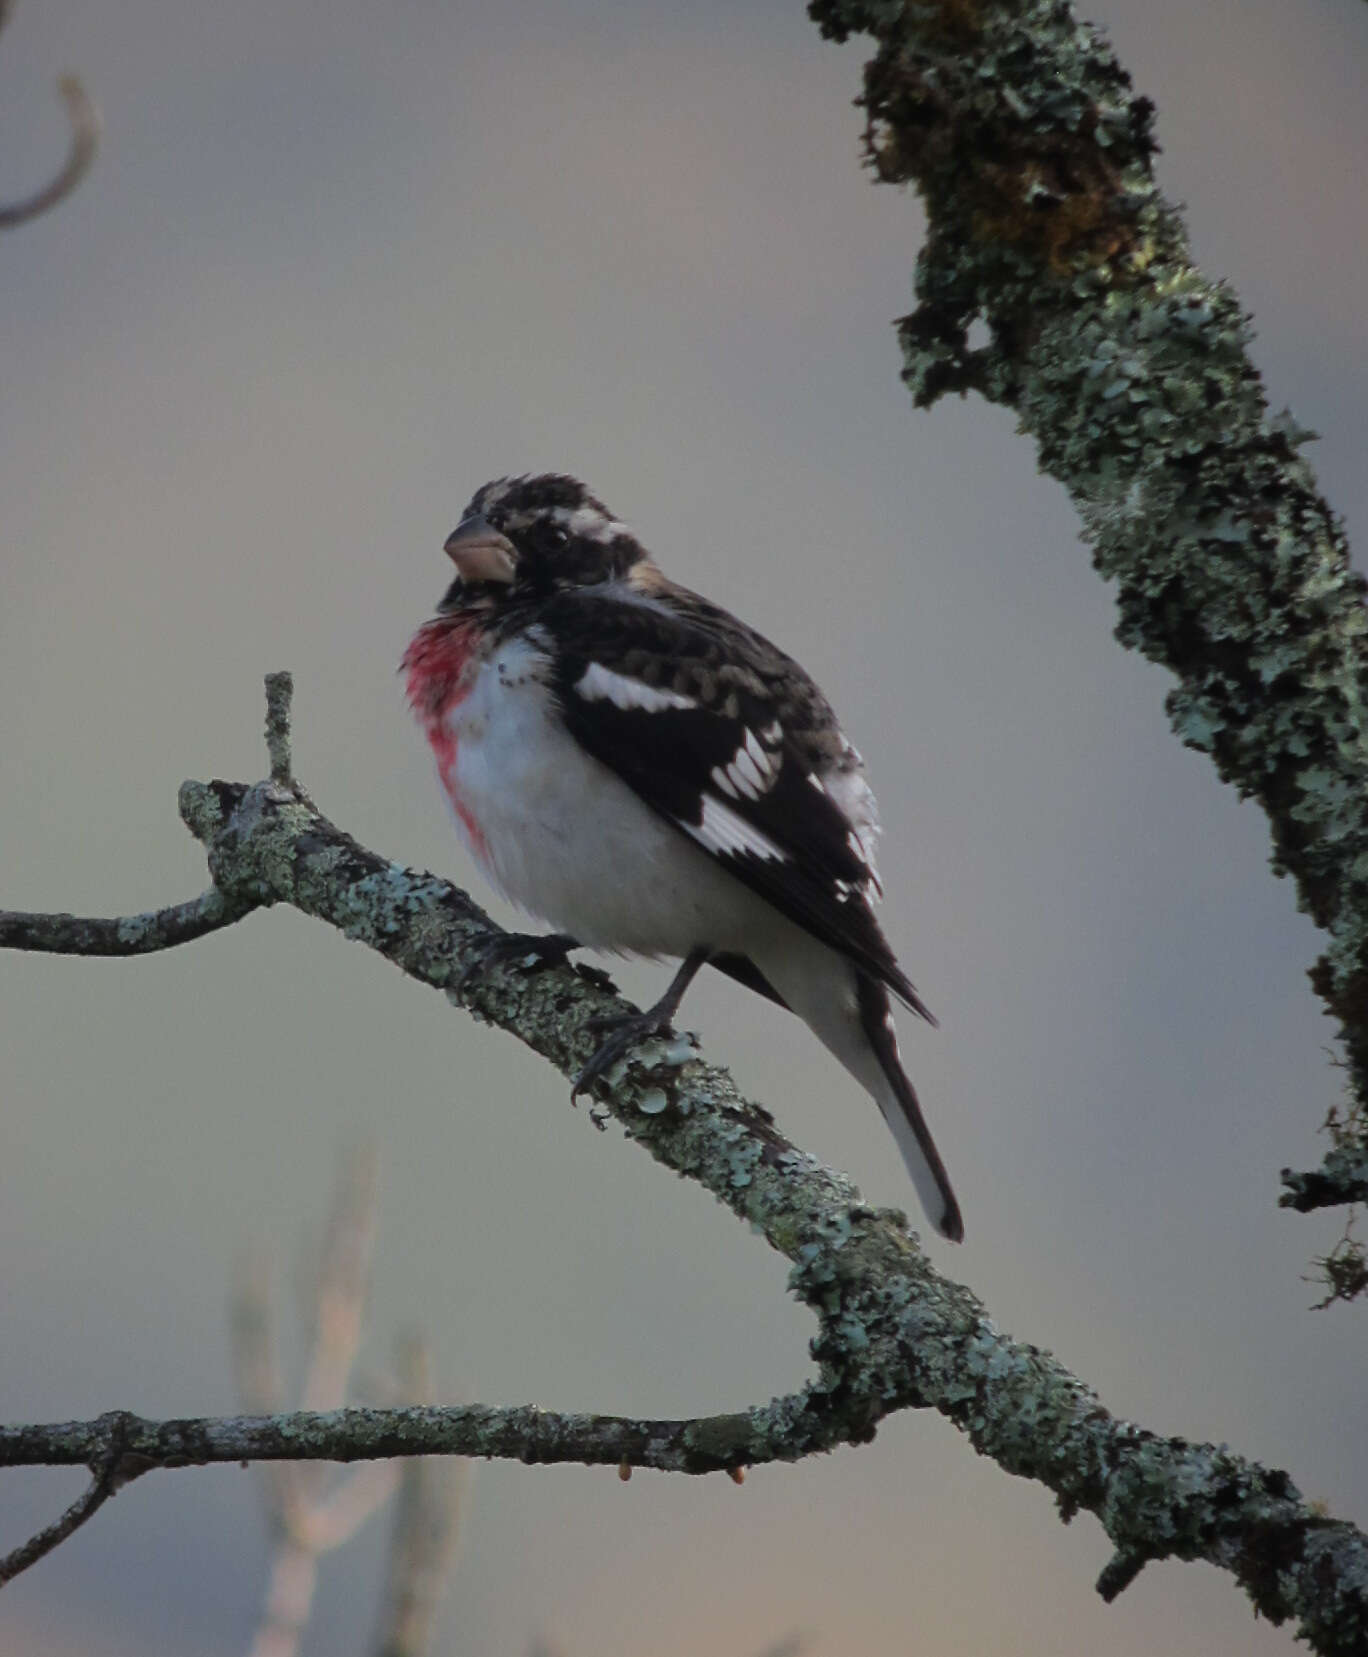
{"x": 897, "y": 1099}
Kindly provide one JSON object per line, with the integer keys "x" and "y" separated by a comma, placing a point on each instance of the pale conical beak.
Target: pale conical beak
{"x": 479, "y": 552}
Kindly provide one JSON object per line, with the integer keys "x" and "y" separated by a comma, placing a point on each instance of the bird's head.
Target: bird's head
{"x": 521, "y": 539}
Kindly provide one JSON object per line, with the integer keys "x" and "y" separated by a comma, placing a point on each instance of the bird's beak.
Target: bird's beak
{"x": 479, "y": 552}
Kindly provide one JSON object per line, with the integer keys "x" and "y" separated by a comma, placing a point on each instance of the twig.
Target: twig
{"x": 85, "y": 136}
{"x": 114, "y": 1468}
{"x": 126, "y": 934}
{"x": 892, "y": 1335}
{"x": 257, "y": 1379}
{"x": 784, "y": 1430}
{"x": 309, "y": 1520}
{"x": 63, "y": 934}
{"x": 1342, "y": 1178}
{"x": 426, "y": 1529}
{"x": 279, "y": 695}
{"x": 95, "y": 1495}
{"x": 1118, "y": 1573}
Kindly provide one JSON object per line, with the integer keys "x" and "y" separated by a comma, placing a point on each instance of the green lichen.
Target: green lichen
{"x": 1131, "y": 371}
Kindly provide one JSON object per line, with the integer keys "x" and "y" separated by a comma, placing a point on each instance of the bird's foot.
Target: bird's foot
{"x": 529, "y": 951}
{"x": 626, "y": 1031}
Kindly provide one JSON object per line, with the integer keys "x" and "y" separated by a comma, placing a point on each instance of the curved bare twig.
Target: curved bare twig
{"x": 85, "y": 137}
{"x": 122, "y": 934}
{"x": 113, "y": 1467}
{"x": 88, "y": 1503}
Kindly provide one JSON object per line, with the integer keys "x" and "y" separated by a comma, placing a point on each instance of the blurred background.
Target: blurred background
{"x": 339, "y": 263}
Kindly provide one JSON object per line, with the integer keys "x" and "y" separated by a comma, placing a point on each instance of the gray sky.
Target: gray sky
{"x": 337, "y": 265}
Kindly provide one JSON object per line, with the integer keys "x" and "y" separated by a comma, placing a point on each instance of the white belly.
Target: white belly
{"x": 566, "y": 840}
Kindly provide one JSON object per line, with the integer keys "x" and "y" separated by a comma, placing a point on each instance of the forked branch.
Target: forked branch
{"x": 892, "y": 1333}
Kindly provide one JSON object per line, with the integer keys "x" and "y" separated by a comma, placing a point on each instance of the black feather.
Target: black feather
{"x": 676, "y": 644}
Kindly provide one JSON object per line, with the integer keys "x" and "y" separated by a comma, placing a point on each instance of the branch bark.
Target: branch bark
{"x": 124, "y": 935}
{"x": 112, "y": 1466}
{"x": 1131, "y": 371}
{"x": 892, "y": 1333}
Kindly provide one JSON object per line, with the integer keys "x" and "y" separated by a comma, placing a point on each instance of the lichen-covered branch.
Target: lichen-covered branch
{"x": 1131, "y": 371}
{"x": 892, "y": 1333}
{"x": 426, "y": 1529}
{"x": 310, "y": 1515}
{"x": 279, "y": 697}
{"x": 522, "y": 1433}
{"x": 111, "y": 1467}
{"x": 1341, "y": 1178}
{"x": 86, "y": 1505}
{"x": 123, "y": 935}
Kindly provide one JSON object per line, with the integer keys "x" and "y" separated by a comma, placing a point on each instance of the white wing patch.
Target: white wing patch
{"x": 751, "y": 771}
{"x": 600, "y": 684}
{"x": 725, "y": 834}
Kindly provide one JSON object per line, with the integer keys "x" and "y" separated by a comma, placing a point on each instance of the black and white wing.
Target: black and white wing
{"x": 727, "y": 738}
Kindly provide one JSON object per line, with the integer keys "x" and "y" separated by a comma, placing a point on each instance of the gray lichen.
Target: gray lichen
{"x": 892, "y": 1334}
{"x": 1131, "y": 371}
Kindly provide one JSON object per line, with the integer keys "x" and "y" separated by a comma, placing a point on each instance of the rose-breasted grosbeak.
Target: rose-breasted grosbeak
{"x": 640, "y": 768}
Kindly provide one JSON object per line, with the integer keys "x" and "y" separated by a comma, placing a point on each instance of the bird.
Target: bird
{"x": 634, "y": 765}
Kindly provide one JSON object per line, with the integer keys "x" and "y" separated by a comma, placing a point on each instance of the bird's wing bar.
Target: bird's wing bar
{"x": 730, "y": 741}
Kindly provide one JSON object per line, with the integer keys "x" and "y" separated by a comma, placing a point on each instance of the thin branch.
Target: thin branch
{"x": 309, "y": 1519}
{"x": 784, "y": 1430}
{"x": 892, "y": 1335}
{"x": 112, "y": 1467}
{"x": 63, "y": 934}
{"x": 85, "y": 136}
{"x": 1343, "y": 1271}
{"x": 257, "y": 1378}
{"x": 1342, "y": 1178}
{"x": 91, "y": 1500}
{"x": 426, "y": 1529}
{"x": 126, "y": 934}
{"x": 279, "y": 695}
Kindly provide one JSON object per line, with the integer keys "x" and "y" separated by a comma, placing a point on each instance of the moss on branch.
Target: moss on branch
{"x": 1130, "y": 369}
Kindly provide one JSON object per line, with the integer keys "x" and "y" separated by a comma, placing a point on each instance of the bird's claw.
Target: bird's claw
{"x": 628, "y": 1029}
{"x": 531, "y": 951}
